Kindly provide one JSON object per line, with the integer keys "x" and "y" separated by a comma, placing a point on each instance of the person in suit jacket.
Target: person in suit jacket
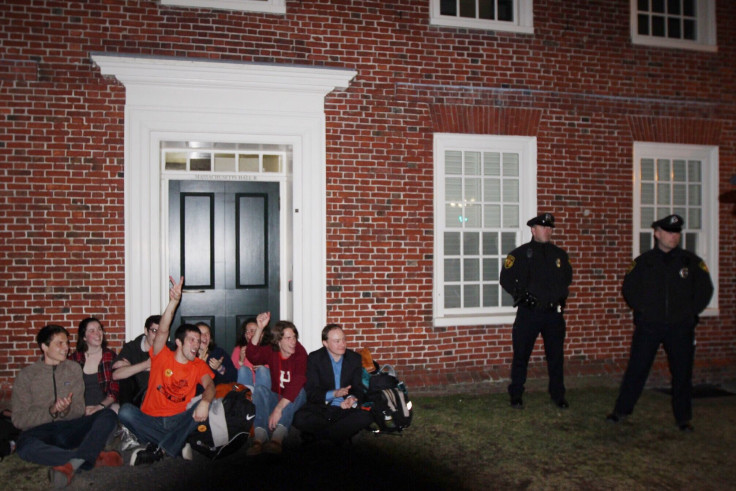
{"x": 334, "y": 391}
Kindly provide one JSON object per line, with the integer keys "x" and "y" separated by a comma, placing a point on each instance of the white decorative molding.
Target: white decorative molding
{"x": 184, "y": 99}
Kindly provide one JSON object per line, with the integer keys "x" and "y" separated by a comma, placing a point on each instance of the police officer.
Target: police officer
{"x": 667, "y": 287}
{"x": 537, "y": 275}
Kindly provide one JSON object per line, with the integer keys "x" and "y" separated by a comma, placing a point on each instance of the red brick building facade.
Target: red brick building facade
{"x": 566, "y": 80}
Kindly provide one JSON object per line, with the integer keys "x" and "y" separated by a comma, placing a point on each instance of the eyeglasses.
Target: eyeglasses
{"x": 154, "y": 331}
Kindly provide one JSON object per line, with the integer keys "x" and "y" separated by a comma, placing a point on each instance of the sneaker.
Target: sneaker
{"x": 147, "y": 455}
{"x": 60, "y": 476}
{"x": 109, "y": 459}
{"x": 186, "y": 452}
{"x": 272, "y": 447}
{"x": 127, "y": 440}
{"x": 255, "y": 449}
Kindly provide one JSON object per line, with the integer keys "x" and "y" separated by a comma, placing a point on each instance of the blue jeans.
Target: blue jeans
{"x": 262, "y": 376}
{"x": 58, "y": 442}
{"x": 266, "y": 400}
{"x": 168, "y": 432}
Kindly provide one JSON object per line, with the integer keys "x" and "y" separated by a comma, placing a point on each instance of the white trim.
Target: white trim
{"x": 524, "y": 23}
{"x": 706, "y": 19}
{"x": 710, "y": 171}
{"x": 526, "y": 147}
{"x": 169, "y": 99}
{"x": 270, "y": 6}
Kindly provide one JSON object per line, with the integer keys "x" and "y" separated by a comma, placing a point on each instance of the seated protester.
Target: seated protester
{"x": 100, "y": 389}
{"x": 276, "y": 405}
{"x": 334, "y": 391}
{"x": 48, "y": 406}
{"x": 216, "y": 357}
{"x": 164, "y": 421}
{"x": 248, "y": 374}
{"x": 133, "y": 364}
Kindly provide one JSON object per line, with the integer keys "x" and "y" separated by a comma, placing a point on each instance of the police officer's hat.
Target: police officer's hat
{"x": 672, "y": 223}
{"x": 545, "y": 220}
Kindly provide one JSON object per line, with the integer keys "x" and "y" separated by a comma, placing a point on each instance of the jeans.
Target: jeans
{"x": 58, "y": 442}
{"x": 262, "y": 376}
{"x": 265, "y": 400}
{"x": 168, "y": 432}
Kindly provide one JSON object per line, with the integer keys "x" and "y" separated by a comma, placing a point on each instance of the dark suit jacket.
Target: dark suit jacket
{"x": 320, "y": 377}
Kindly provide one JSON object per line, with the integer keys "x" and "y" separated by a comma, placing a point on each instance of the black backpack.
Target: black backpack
{"x": 388, "y": 401}
{"x": 8, "y": 433}
{"x": 228, "y": 426}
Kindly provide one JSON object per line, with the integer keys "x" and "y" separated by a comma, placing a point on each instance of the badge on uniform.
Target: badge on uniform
{"x": 683, "y": 273}
{"x": 631, "y": 267}
{"x": 703, "y": 266}
{"x": 557, "y": 262}
{"x": 509, "y": 261}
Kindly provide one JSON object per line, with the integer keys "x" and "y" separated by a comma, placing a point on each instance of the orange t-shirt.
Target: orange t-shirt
{"x": 171, "y": 385}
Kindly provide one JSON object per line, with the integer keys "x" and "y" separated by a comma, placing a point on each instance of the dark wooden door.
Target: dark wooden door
{"x": 224, "y": 240}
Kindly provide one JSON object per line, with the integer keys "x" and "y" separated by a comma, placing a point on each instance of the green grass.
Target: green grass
{"x": 479, "y": 442}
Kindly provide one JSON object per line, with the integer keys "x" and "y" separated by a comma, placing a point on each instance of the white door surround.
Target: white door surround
{"x": 187, "y": 99}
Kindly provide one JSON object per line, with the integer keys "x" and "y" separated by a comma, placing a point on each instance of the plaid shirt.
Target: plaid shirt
{"x": 104, "y": 371}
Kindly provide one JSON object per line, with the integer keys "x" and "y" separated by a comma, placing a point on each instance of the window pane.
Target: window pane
{"x": 679, "y": 170}
{"x": 452, "y": 296}
{"x": 693, "y": 219}
{"x": 248, "y": 163}
{"x": 647, "y": 194}
{"x": 645, "y": 242}
{"x": 693, "y": 171}
{"x": 471, "y": 243}
{"x": 492, "y": 216}
{"x": 490, "y": 269}
{"x": 453, "y": 162}
{"x": 454, "y": 189}
{"x": 452, "y": 270}
{"x": 471, "y": 270}
{"x": 490, "y": 243}
{"x": 506, "y": 299}
{"x": 679, "y": 194}
{"x": 647, "y": 169}
{"x": 448, "y": 7}
{"x": 452, "y": 243}
{"x": 453, "y": 216}
{"x": 176, "y": 161}
{"x": 485, "y": 9}
{"x": 224, "y": 162}
{"x": 673, "y": 28}
{"x": 642, "y": 5}
{"x": 472, "y": 190}
{"x": 511, "y": 190}
{"x": 510, "y": 216}
{"x": 272, "y": 163}
{"x": 663, "y": 212}
{"x": 658, "y": 6}
{"x": 690, "y": 242}
{"x": 506, "y": 10}
{"x": 471, "y": 296}
{"x": 492, "y": 190}
{"x": 472, "y": 163}
{"x": 647, "y": 217}
{"x": 663, "y": 170}
{"x": 688, "y": 8}
{"x": 510, "y": 164}
{"x": 467, "y": 8}
{"x": 508, "y": 242}
{"x": 472, "y": 216}
{"x": 492, "y": 164}
{"x": 490, "y": 295}
{"x": 200, "y": 162}
{"x": 694, "y": 194}
{"x": 663, "y": 194}
{"x": 642, "y": 24}
{"x": 657, "y": 26}
{"x": 689, "y": 30}
{"x": 673, "y": 6}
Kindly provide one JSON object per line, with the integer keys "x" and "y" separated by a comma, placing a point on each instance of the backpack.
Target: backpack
{"x": 388, "y": 401}
{"x": 8, "y": 433}
{"x": 228, "y": 425}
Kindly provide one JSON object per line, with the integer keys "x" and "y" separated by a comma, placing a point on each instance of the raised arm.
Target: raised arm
{"x": 164, "y": 327}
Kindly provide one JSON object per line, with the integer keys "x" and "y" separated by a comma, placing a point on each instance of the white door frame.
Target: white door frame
{"x": 175, "y": 99}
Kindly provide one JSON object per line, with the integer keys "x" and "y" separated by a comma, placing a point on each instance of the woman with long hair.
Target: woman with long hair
{"x": 96, "y": 359}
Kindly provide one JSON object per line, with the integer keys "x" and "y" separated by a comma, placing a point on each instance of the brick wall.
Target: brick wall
{"x": 577, "y": 84}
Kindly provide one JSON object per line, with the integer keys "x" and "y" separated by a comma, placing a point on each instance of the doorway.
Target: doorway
{"x": 224, "y": 239}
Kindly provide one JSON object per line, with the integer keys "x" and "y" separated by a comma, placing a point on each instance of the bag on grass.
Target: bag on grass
{"x": 388, "y": 401}
{"x": 228, "y": 425}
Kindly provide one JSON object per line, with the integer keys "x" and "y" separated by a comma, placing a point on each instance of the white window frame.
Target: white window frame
{"x": 526, "y": 147}
{"x": 523, "y": 19}
{"x": 706, "y": 30}
{"x": 268, "y": 6}
{"x": 708, "y": 242}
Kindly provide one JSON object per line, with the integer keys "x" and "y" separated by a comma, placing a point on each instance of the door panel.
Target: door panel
{"x": 224, "y": 239}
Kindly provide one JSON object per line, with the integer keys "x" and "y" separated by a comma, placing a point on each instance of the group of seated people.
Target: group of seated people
{"x": 155, "y": 392}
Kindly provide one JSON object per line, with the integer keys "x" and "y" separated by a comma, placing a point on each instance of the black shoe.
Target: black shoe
{"x": 146, "y": 455}
{"x": 517, "y": 403}
{"x": 615, "y": 417}
{"x": 686, "y": 427}
{"x": 562, "y": 403}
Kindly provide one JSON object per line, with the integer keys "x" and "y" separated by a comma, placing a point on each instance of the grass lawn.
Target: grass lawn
{"x": 474, "y": 442}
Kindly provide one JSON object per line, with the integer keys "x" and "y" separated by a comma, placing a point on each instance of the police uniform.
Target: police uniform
{"x": 538, "y": 275}
{"x": 667, "y": 291}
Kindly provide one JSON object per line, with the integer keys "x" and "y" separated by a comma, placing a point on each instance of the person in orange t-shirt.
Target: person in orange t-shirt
{"x": 165, "y": 419}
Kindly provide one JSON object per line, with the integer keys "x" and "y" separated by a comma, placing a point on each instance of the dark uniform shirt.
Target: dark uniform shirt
{"x": 542, "y": 269}
{"x": 667, "y": 287}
